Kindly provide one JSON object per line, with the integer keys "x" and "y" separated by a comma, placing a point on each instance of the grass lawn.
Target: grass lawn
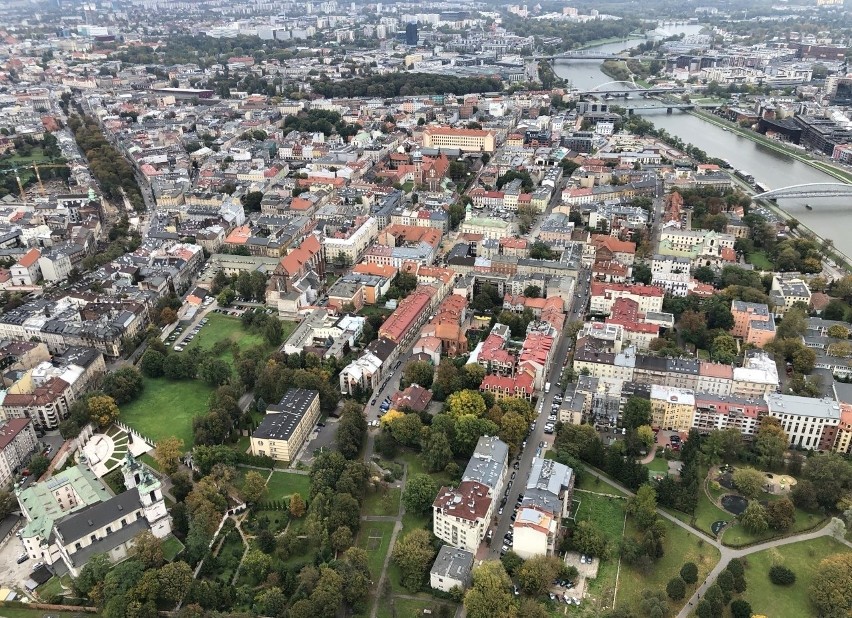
{"x": 738, "y": 536}
{"x": 759, "y": 260}
{"x": 227, "y": 328}
{"x": 166, "y": 408}
{"x": 369, "y": 310}
{"x": 415, "y": 466}
{"x": 283, "y": 484}
{"x": 782, "y": 601}
{"x": 7, "y": 611}
{"x": 680, "y": 546}
{"x": 706, "y": 513}
{"x": 608, "y": 516}
{"x": 376, "y": 504}
{"x": 410, "y": 608}
{"x": 593, "y": 483}
{"x": 50, "y": 589}
{"x": 659, "y": 465}
{"x": 171, "y": 548}
{"x": 374, "y": 537}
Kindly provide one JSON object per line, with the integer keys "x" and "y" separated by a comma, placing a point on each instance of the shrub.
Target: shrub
{"x": 740, "y": 609}
{"x": 735, "y": 566}
{"x": 689, "y": 573}
{"x": 782, "y": 576}
{"x": 676, "y": 589}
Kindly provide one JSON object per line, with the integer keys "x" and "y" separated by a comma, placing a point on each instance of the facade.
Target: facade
{"x": 753, "y": 323}
{"x": 672, "y": 408}
{"x": 806, "y": 420}
{"x": 17, "y": 443}
{"x": 72, "y": 517}
{"x": 649, "y": 298}
{"x": 466, "y": 140}
{"x": 452, "y": 569}
{"x": 547, "y": 500}
{"x": 787, "y": 290}
{"x": 286, "y": 425}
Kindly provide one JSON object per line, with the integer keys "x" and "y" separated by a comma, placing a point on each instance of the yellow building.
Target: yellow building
{"x": 672, "y": 408}
{"x": 286, "y": 425}
{"x": 466, "y": 140}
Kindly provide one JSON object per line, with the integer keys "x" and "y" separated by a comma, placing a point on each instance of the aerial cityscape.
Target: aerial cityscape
{"x": 386, "y": 309}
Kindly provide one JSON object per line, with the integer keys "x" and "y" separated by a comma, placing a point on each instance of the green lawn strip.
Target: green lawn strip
{"x": 737, "y": 536}
{"x": 166, "y": 408}
{"x": 396, "y": 607}
{"x": 282, "y": 484}
{"x": 171, "y": 548}
{"x": 592, "y": 483}
{"x": 277, "y": 519}
{"x": 659, "y": 465}
{"x": 607, "y": 514}
{"x": 706, "y": 513}
{"x": 680, "y": 547}
{"x": 803, "y": 559}
{"x": 226, "y": 328}
{"x": 759, "y": 260}
{"x": 50, "y": 589}
{"x": 243, "y": 444}
{"x": 413, "y": 521}
{"x": 415, "y": 466}
{"x": 374, "y": 537}
{"x": 376, "y": 504}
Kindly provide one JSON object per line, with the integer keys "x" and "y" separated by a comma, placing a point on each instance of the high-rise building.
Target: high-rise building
{"x": 411, "y": 34}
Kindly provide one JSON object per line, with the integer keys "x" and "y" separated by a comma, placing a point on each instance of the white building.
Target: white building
{"x": 804, "y": 418}
{"x": 452, "y": 569}
{"x": 350, "y": 248}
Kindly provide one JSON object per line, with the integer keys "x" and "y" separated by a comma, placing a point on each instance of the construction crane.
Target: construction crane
{"x": 35, "y": 167}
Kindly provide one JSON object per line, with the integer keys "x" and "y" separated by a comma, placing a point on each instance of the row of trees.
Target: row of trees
{"x": 401, "y": 84}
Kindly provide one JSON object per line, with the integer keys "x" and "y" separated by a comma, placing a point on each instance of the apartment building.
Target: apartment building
{"x": 347, "y": 246}
{"x": 714, "y": 378}
{"x": 18, "y": 442}
{"x": 809, "y": 423}
{"x": 547, "y": 500}
{"x": 603, "y": 295}
{"x": 714, "y": 412}
{"x": 672, "y": 408}
{"x": 461, "y": 515}
{"x": 451, "y": 569}
{"x": 286, "y": 424}
{"x": 787, "y": 290}
{"x": 753, "y": 323}
{"x": 466, "y": 140}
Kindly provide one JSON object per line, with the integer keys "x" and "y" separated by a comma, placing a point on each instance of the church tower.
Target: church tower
{"x": 138, "y": 476}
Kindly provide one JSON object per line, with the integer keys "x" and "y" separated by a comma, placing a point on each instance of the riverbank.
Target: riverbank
{"x": 832, "y": 171}
{"x": 612, "y": 39}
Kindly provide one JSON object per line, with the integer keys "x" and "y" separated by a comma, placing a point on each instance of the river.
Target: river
{"x": 768, "y": 166}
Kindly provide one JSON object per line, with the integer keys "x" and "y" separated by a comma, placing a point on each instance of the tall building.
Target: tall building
{"x": 411, "y": 34}
{"x": 286, "y": 425}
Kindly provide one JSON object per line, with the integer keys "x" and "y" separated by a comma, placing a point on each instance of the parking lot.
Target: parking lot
{"x": 320, "y": 439}
{"x": 13, "y": 574}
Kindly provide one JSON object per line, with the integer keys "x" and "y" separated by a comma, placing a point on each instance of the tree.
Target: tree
{"x": 749, "y": 481}
{"x": 693, "y": 327}
{"x": 214, "y": 371}
{"x": 780, "y": 514}
{"x": 513, "y": 429}
{"x": 642, "y": 273}
{"x": 753, "y": 518}
{"x": 722, "y": 445}
{"x": 781, "y": 575}
{"x": 676, "y": 589}
{"x": 436, "y": 452}
{"x": 689, "y": 572}
{"x": 770, "y": 442}
{"x": 740, "y": 608}
{"x": 251, "y": 201}
{"x": 725, "y": 580}
{"x": 723, "y": 349}
{"x": 341, "y": 539}
{"x": 637, "y": 412}
{"x": 417, "y": 372}
{"x": 167, "y": 454}
{"x": 536, "y": 575}
{"x": 38, "y": 465}
{"x": 532, "y": 291}
{"x": 589, "y": 540}
{"x": 254, "y": 487}
{"x": 419, "y": 493}
{"x": 406, "y": 429}
{"x": 167, "y": 316}
{"x": 793, "y": 325}
{"x": 123, "y": 385}
{"x": 93, "y": 573}
{"x": 148, "y": 550}
{"x": 256, "y": 564}
{"x": 8, "y": 503}
{"x": 643, "y": 507}
{"x": 466, "y": 402}
{"x": 489, "y": 595}
{"x": 705, "y": 274}
{"x": 646, "y": 436}
{"x": 102, "y": 410}
{"x": 413, "y": 554}
{"x": 831, "y": 592}
{"x": 838, "y": 331}
{"x": 152, "y": 363}
{"x": 831, "y": 476}
{"x": 297, "y": 505}
{"x": 653, "y": 604}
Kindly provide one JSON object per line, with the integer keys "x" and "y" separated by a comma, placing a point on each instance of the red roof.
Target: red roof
{"x": 468, "y": 501}
{"x": 10, "y": 429}
{"x": 30, "y": 258}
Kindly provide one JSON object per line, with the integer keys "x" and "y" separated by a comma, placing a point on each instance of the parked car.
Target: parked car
{"x": 23, "y": 558}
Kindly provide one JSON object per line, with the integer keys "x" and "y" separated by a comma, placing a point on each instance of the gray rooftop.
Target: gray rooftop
{"x": 90, "y": 519}
{"x": 453, "y": 563}
{"x": 488, "y": 462}
{"x": 282, "y": 418}
{"x": 546, "y": 480}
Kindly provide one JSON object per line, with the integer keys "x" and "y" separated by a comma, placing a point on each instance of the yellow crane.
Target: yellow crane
{"x": 35, "y": 167}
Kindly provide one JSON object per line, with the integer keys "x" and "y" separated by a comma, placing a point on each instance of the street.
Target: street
{"x": 543, "y": 409}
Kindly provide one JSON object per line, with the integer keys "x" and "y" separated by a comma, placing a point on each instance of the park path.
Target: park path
{"x": 727, "y": 553}
{"x": 650, "y": 456}
{"x": 396, "y": 519}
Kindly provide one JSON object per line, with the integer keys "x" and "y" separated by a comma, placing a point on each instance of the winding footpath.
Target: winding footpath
{"x": 727, "y": 553}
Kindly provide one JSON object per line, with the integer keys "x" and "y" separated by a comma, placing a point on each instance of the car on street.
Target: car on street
{"x": 504, "y": 548}
{"x": 500, "y": 512}
{"x": 23, "y": 558}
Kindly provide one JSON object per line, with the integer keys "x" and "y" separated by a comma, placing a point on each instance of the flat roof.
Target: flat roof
{"x": 282, "y": 418}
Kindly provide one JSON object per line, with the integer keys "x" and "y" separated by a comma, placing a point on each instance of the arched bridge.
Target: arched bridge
{"x": 816, "y": 189}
